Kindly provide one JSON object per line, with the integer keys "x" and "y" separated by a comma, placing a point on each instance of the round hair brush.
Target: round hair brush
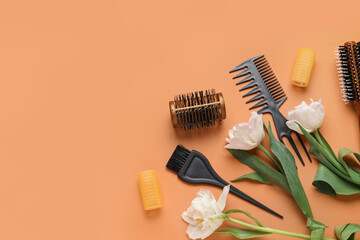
{"x": 197, "y": 109}
{"x": 348, "y": 64}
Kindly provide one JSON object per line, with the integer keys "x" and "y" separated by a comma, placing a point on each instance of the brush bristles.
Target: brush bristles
{"x": 178, "y": 159}
{"x": 348, "y": 60}
{"x": 270, "y": 79}
{"x": 198, "y": 109}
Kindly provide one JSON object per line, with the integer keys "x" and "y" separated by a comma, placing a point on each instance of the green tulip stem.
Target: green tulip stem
{"x": 262, "y": 148}
{"x": 318, "y": 138}
{"x": 270, "y": 230}
{"x": 330, "y": 155}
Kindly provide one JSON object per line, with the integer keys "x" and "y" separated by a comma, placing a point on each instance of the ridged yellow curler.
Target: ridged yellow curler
{"x": 149, "y": 188}
{"x": 303, "y": 66}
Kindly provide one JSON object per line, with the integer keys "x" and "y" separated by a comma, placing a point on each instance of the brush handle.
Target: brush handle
{"x": 357, "y": 107}
{"x": 197, "y": 170}
{"x": 246, "y": 197}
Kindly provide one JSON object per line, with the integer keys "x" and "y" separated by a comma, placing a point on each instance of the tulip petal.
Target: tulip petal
{"x": 241, "y": 129}
{"x": 256, "y": 128}
{"x": 204, "y": 214}
{"x": 211, "y": 225}
{"x": 231, "y": 133}
{"x": 241, "y": 143}
{"x": 309, "y": 116}
{"x": 187, "y": 218}
{"x": 194, "y": 231}
{"x": 246, "y": 136}
{"x": 222, "y": 199}
{"x": 293, "y": 126}
{"x": 319, "y": 112}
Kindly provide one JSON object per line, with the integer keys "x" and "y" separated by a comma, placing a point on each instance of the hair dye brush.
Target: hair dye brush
{"x": 193, "y": 167}
{"x": 348, "y": 65}
{"x": 269, "y": 94}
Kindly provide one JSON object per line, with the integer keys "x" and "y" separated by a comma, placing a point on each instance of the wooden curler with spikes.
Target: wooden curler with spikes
{"x": 348, "y": 64}
{"x": 197, "y": 109}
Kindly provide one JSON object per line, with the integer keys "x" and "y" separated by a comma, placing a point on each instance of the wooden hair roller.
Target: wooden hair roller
{"x": 197, "y": 109}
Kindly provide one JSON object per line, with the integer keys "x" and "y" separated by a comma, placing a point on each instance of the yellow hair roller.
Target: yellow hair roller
{"x": 149, "y": 188}
{"x": 303, "y": 66}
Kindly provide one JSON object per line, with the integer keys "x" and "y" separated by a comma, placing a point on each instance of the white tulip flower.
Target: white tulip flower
{"x": 246, "y": 136}
{"x": 204, "y": 214}
{"x": 310, "y": 117}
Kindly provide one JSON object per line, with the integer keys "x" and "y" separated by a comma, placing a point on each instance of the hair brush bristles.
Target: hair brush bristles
{"x": 178, "y": 159}
{"x": 348, "y": 60}
{"x": 197, "y": 109}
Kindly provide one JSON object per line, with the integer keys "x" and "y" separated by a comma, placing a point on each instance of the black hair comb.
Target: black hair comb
{"x": 268, "y": 90}
{"x": 193, "y": 167}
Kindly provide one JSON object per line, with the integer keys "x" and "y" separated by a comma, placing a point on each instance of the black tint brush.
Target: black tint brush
{"x": 193, "y": 167}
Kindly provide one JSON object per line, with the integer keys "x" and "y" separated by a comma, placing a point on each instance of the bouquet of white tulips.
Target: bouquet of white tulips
{"x": 246, "y": 136}
{"x": 334, "y": 175}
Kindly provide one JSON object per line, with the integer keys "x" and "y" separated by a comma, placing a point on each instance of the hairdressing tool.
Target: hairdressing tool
{"x": 268, "y": 90}
{"x": 149, "y": 188}
{"x": 348, "y": 65}
{"x": 193, "y": 167}
{"x": 303, "y": 66}
{"x": 197, "y": 109}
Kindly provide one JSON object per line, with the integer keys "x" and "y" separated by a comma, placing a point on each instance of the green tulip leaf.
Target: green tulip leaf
{"x": 244, "y": 233}
{"x": 273, "y": 177}
{"x": 327, "y": 182}
{"x": 317, "y": 234}
{"x": 313, "y": 224}
{"x": 253, "y": 176}
{"x": 347, "y": 231}
{"x": 317, "y": 229}
{"x": 323, "y": 151}
{"x": 326, "y": 163}
{"x": 354, "y": 173}
{"x": 246, "y": 213}
{"x": 288, "y": 164}
{"x": 357, "y": 156}
{"x": 327, "y": 146}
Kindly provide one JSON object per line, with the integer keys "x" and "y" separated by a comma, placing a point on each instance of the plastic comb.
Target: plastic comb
{"x": 268, "y": 94}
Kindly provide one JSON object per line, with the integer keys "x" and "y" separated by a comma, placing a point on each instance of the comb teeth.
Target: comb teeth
{"x": 269, "y": 78}
{"x": 262, "y": 82}
{"x": 348, "y": 60}
{"x": 178, "y": 159}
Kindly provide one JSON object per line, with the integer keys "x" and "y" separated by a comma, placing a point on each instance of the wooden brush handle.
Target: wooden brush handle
{"x": 357, "y": 107}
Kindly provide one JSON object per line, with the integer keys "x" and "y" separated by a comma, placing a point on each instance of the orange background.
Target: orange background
{"x": 84, "y": 91}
